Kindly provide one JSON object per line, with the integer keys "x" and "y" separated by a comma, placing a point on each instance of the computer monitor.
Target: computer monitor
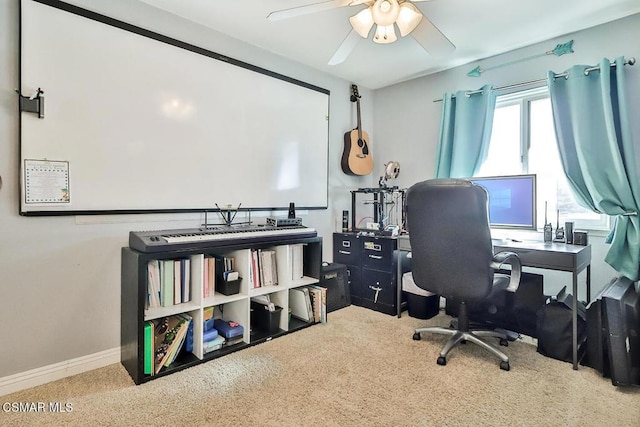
{"x": 512, "y": 200}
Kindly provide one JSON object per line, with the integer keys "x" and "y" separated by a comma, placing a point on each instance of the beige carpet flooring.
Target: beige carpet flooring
{"x": 360, "y": 369}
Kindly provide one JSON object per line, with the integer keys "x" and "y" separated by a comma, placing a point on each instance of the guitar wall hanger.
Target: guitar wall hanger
{"x": 33, "y": 103}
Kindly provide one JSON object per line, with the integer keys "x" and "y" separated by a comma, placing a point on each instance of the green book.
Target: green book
{"x": 148, "y": 347}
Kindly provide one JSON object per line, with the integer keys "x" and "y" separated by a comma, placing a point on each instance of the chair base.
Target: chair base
{"x": 458, "y": 337}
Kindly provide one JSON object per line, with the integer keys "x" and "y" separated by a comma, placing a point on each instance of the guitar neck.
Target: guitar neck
{"x": 359, "y": 123}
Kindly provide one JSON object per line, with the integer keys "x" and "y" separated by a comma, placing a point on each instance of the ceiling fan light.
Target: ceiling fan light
{"x": 385, "y": 12}
{"x": 362, "y": 22}
{"x": 408, "y": 18}
{"x": 385, "y": 34}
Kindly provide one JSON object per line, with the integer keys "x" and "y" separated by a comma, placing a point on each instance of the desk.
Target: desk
{"x": 549, "y": 256}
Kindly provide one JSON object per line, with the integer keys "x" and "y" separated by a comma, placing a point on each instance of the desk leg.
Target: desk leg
{"x": 399, "y": 283}
{"x": 574, "y": 315}
{"x": 588, "y": 283}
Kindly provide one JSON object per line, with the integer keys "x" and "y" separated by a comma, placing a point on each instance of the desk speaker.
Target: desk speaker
{"x": 580, "y": 238}
{"x": 334, "y": 278}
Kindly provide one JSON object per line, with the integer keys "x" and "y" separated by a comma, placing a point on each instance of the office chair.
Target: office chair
{"x": 452, "y": 255}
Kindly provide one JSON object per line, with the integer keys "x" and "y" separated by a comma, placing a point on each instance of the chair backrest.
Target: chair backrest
{"x": 451, "y": 248}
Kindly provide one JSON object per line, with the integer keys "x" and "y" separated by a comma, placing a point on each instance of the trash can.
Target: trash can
{"x": 421, "y": 304}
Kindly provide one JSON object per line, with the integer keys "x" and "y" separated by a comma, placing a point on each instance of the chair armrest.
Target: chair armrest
{"x": 513, "y": 260}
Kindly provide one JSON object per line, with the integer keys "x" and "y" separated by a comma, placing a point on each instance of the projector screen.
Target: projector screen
{"x": 138, "y": 122}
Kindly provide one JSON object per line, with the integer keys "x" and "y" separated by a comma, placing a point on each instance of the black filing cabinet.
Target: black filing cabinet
{"x": 347, "y": 250}
{"x": 371, "y": 266}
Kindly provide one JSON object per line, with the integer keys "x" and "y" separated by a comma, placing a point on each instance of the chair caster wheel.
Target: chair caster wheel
{"x": 504, "y": 366}
{"x": 443, "y": 361}
{"x": 504, "y": 342}
{"x": 416, "y": 336}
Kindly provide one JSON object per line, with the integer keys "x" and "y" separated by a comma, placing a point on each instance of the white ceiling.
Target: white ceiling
{"x": 478, "y": 28}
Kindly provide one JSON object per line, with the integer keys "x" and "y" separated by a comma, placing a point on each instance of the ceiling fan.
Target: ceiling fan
{"x": 384, "y": 14}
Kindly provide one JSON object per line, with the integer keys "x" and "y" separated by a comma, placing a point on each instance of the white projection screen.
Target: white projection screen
{"x": 138, "y": 122}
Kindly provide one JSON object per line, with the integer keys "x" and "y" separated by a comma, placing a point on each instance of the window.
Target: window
{"x": 523, "y": 141}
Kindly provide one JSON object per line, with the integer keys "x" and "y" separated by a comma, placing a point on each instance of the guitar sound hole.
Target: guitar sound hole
{"x": 363, "y": 145}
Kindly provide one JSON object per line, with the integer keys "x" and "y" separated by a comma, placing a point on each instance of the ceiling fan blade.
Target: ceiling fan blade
{"x": 345, "y": 48}
{"x": 432, "y": 39}
{"x": 307, "y": 9}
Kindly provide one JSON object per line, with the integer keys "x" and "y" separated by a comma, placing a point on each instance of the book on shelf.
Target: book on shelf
{"x": 300, "y": 304}
{"x": 316, "y": 303}
{"x": 212, "y": 276}
{"x": 166, "y": 277}
{"x": 179, "y": 340}
{"x": 185, "y": 279}
{"x": 297, "y": 262}
{"x": 153, "y": 284}
{"x": 323, "y": 302}
{"x": 269, "y": 270}
{"x": 205, "y": 278}
{"x": 254, "y": 271}
{"x": 188, "y": 343}
{"x": 148, "y": 347}
{"x": 209, "y": 277}
{"x": 263, "y": 271}
{"x": 177, "y": 281}
{"x": 169, "y": 335}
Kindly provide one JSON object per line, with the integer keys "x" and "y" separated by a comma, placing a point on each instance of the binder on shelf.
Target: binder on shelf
{"x": 166, "y": 276}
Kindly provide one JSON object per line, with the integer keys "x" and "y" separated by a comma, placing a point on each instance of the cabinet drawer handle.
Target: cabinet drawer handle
{"x": 345, "y": 252}
{"x": 375, "y": 256}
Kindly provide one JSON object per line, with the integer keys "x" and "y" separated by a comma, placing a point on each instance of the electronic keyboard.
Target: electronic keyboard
{"x": 213, "y": 236}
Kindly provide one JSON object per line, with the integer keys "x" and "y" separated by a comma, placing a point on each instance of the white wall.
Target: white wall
{"x": 60, "y": 276}
{"x": 407, "y": 121}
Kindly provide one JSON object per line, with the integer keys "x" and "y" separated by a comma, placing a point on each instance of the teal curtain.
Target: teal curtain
{"x": 592, "y": 125}
{"x": 465, "y": 132}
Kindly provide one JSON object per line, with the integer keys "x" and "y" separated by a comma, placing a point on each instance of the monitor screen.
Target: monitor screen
{"x": 512, "y": 200}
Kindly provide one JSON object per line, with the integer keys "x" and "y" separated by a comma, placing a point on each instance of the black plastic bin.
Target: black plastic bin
{"x": 230, "y": 287}
{"x": 264, "y": 320}
{"x": 421, "y": 304}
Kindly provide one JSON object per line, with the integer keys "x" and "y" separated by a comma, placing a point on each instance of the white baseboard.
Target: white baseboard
{"x": 46, "y": 374}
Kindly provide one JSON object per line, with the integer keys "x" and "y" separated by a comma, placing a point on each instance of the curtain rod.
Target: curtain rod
{"x": 630, "y": 61}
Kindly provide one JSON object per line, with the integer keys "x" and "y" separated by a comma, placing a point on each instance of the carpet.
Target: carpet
{"x": 362, "y": 368}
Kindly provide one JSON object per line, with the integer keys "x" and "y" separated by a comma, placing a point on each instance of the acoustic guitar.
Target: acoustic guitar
{"x": 356, "y": 158}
